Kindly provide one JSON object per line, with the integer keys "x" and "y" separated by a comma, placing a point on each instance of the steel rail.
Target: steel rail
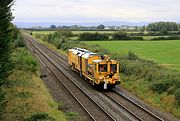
{"x": 123, "y": 107}
{"x": 141, "y": 107}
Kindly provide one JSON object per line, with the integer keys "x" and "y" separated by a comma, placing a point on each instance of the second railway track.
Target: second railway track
{"x": 132, "y": 107}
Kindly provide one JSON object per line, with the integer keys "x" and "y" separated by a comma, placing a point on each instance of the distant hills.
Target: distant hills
{"x": 106, "y": 23}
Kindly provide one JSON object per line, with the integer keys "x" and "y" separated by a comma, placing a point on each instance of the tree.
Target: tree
{"x": 5, "y": 43}
{"x": 164, "y": 30}
{"x": 53, "y": 27}
{"x": 101, "y": 26}
{"x": 179, "y": 27}
{"x": 5, "y": 37}
{"x": 163, "y": 26}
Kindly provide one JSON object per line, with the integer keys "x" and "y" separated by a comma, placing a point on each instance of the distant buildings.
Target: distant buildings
{"x": 120, "y": 28}
{"x": 78, "y": 27}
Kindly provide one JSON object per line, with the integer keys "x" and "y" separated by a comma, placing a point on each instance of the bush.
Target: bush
{"x": 19, "y": 42}
{"x": 65, "y": 32}
{"x": 93, "y": 37}
{"x": 40, "y": 117}
{"x": 121, "y": 35}
{"x": 2, "y": 101}
{"x": 177, "y": 96}
{"x": 29, "y": 63}
{"x": 64, "y": 43}
{"x": 24, "y": 60}
{"x": 132, "y": 56}
{"x": 160, "y": 86}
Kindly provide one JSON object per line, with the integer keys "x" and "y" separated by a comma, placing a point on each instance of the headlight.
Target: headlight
{"x": 100, "y": 78}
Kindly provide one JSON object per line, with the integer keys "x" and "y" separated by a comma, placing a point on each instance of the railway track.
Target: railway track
{"x": 93, "y": 109}
{"x": 129, "y": 105}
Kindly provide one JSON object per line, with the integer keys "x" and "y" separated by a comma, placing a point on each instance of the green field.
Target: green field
{"x": 43, "y": 32}
{"x": 166, "y": 53}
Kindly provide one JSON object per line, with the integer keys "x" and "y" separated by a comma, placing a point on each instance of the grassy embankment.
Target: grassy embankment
{"x": 154, "y": 84}
{"x": 27, "y": 98}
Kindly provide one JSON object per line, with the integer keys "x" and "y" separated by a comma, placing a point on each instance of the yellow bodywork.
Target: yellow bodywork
{"x": 102, "y": 77}
{"x": 90, "y": 64}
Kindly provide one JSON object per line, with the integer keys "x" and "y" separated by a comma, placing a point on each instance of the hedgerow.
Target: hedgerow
{"x": 93, "y": 37}
{"x": 121, "y": 35}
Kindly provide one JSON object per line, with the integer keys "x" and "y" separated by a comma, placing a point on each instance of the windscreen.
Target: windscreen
{"x": 102, "y": 67}
{"x": 113, "y": 68}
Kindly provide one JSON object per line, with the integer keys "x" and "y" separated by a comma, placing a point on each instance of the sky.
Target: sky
{"x": 96, "y": 10}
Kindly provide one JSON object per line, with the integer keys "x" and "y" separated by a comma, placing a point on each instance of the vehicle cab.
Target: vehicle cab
{"x": 106, "y": 72}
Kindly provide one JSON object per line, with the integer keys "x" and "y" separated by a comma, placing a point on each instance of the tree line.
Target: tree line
{"x": 156, "y": 26}
{"x": 76, "y": 27}
{"x": 163, "y": 26}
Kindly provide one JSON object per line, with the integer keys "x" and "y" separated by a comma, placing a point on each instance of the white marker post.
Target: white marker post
{"x": 105, "y": 84}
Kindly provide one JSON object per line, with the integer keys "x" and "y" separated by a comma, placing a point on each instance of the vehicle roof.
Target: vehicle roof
{"x": 97, "y": 61}
{"x": 83, "y": 50}
{"x": 87, "y": 55}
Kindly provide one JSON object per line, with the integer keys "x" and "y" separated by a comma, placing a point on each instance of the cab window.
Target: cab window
{"x": 102, "y": 67}
{"x": 113, "y": 68}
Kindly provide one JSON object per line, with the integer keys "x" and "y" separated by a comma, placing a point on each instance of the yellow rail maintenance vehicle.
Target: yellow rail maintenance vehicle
{"x": 99, "y": 70}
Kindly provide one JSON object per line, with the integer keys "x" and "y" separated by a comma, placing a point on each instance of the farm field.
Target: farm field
{"x": 166, "y": 53}
{"x": 42, "y": 32}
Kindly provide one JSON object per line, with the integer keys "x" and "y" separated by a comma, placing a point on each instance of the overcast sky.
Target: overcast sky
{"x": 96, "y": 10}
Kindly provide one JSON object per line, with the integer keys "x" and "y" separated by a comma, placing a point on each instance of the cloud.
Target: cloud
{"x": 96, "y": 10}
